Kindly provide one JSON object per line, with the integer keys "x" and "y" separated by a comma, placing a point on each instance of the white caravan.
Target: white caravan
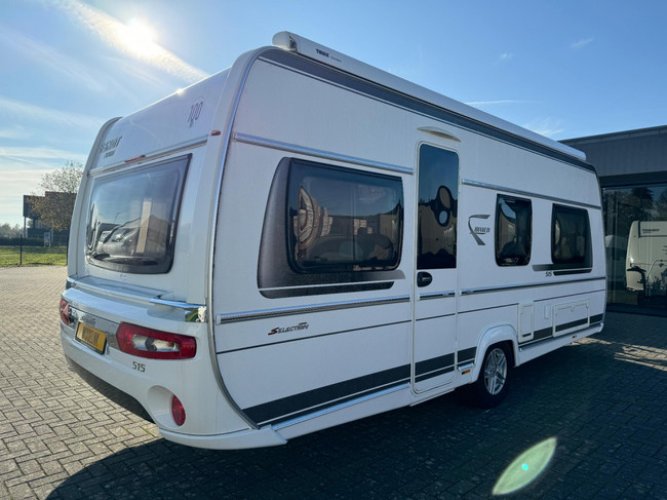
{"x": 304, "y": 240}
{"x": 646, "y": 259}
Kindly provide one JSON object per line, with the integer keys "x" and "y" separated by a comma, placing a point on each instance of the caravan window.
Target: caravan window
{"x": 438, "y": 202}
{"x": 132, "y": 220}
{"x": 330, "y": 229}
{"x": 570, "y": 236}
{"x": 513, "y": 231}
{"x": 341, "y": 219}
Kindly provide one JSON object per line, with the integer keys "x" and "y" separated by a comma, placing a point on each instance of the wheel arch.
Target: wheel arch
{"x": 497, "y": 334}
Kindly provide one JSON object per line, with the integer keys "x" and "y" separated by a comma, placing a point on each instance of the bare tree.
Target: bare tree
{"x": 59, "y": 188}
{"x": 9, "y": 231}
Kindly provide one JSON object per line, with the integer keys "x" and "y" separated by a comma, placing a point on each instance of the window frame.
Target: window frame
{"x": 497, "y": 250}
{"x": 166, "y": 261}
{"x": 278, "y": 277}
{"x": 324, "y": 173}
{"x": 586, "y": 261}
{"x": 424, "y": 261}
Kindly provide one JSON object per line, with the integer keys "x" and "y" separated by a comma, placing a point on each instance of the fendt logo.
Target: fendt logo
{"x": 477, "y": 230}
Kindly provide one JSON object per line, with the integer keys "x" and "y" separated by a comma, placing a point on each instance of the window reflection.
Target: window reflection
{"x": 344, "y": 220}
{"x": 513, "y": 231}
{"x": 438, "y": 195}
{"x": 132, "y": 220}
{"x": 636, "y": 245}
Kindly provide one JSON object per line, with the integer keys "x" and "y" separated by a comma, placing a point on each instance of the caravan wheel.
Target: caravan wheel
{"x": 493, "y": 381}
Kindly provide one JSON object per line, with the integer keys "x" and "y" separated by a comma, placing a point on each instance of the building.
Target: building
{"x": 632, "y": 166}
{"x": 54, "y": 230}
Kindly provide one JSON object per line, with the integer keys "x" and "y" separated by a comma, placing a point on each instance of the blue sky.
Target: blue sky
{"x": 564, "y": 69}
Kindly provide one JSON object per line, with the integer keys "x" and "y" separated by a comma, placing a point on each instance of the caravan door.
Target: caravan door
{"x": 434, "y": 322}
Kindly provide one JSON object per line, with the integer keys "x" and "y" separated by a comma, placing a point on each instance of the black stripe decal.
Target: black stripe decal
{"x": 397, "y": 98}
{"x": 333, "y": 394}
{"x": 429, "y": 365}
{"x": 573, "y": 271}
{"x": 306, "y": 290}
{"x": 571, "y": 324}
{"x": 597, "y": 318}
{"x": 563, "y": 269}
{"x": 427, "y": 376}
{"x": 306, "y": 309}
{"x": 544, "y": 335}
{"x": 317, "y": 399}
{"x": 539, "y": 336}
{"x": 557, "y": 267}
{"x": 466, "y": 355}
{"x": 534, "y": 285}
{"x": 593, "y": 319}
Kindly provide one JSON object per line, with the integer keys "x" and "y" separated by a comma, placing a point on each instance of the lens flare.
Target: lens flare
{"x": 526, "y": 468}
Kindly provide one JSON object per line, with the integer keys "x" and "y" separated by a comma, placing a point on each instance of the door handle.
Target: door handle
{"x": 424, "y": 278}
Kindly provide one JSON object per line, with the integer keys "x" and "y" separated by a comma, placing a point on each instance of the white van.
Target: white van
{"x": 304, "y": 240}
{"x": 646, "y": 259}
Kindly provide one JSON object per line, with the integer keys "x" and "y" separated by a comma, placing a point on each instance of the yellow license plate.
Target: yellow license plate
{"x": 92, "y": 337}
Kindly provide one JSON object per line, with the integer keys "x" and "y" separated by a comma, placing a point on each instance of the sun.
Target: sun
{"x": 138, "y": 38}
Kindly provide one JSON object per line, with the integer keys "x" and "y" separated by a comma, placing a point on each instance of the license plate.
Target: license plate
{"x": 92, "y": 337}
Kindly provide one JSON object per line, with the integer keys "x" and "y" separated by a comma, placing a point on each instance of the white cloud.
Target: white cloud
{"x": 39, "y": 154}
{"x": 14, "y": 133}
{"x": 145, "y": 75}
{"x": 548, "y": 127}
{"x": 580, "y": 44}
{"x": 14, "y": 109}
{"x": 53, "y": 60}
{"x": 126, "y": 39}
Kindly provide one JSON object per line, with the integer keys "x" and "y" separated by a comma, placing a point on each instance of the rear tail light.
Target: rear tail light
{"x": 148, "y": 343}
{"x": 177, "y": 411}
{"x": 65, "y": 312}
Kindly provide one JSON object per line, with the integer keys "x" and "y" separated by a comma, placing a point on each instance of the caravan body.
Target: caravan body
{"x": 304, "y": 240}
{"x": 646, "y": 258}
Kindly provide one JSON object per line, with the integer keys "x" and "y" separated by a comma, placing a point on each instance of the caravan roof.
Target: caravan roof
{"x": 468, "y": 116}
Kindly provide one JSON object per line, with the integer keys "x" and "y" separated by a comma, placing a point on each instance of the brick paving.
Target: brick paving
{"x": 604, "y": 400}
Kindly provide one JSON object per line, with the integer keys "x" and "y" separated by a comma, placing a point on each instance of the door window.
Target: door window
{"x": 438, "y": 199}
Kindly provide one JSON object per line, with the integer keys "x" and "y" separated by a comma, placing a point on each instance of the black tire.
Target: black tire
{"x": 493, "y": 382}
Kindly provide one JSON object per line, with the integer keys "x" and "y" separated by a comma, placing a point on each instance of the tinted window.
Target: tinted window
{"x": 513, "y": 231}
{"x": 570, "y": 236}
{"x": 330, "y": 229}
{"x": 132, "y": 220}
{"x": 438, "y": 195}
{"x": 341, "y": 219}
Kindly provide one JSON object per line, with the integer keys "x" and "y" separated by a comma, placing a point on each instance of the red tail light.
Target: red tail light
{"x": 65, "y": 313}
{"x": 148, "y": 343}
{"x": 177, "y": 411}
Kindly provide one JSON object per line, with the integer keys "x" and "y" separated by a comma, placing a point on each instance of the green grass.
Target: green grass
{"x": 48, "y": 256}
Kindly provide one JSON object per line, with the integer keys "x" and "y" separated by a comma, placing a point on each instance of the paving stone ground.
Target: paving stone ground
{"x": 603, "y": 400}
